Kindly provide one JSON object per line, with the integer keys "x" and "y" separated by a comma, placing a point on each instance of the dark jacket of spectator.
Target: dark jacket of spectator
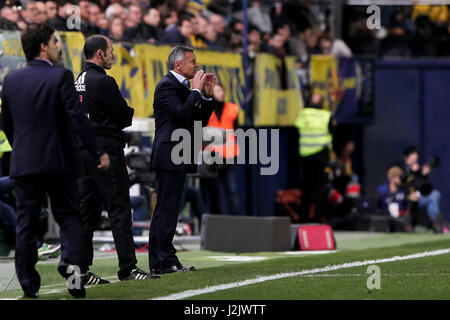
{"x": 88, "y": 29}
{"x": 147, "y": 32}
{"x": 59, "y": 23}
{"x": 8, "y": 25}
{"x": 174, "y": 36}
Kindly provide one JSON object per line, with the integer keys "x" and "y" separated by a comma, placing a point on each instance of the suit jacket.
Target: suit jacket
{"x": 176, "y": 107}
{"x": 41, "y": 114}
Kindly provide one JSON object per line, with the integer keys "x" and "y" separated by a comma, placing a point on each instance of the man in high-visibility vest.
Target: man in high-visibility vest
{"x": 224, "y": 116}
{"x": 7, "y": 214}
{"x": 4, "y": 143}
{"x": 315, "y": 142}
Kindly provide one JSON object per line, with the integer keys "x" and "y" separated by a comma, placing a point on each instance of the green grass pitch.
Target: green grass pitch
{"x": 411, "y": 279}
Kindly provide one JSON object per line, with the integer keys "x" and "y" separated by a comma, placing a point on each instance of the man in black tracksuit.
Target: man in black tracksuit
{"x": 109, "y": 114}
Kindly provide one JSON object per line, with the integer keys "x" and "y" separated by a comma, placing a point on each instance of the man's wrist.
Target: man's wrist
{"x": 203, "y": 95}
{"x": 207, "y": 98}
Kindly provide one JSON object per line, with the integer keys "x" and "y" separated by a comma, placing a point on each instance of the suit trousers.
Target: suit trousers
{"x": 162, "y": 253}
{"x": 64, "y": 202}
{"x": 110, "y": 189}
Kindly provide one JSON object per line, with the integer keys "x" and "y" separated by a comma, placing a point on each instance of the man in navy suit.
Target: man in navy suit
{"x": 176, "y": 106}
{"x": 41, "y": 120}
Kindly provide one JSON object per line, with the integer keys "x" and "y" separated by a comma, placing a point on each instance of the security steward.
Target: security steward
{"x": 109, "y": 114}
{"x": 315, "y": 126}
{"x": 225, "y": 117}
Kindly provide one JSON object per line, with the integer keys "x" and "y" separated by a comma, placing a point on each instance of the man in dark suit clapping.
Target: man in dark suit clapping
{"x": 41, "y": 120}
{"x": 176, "y": 106}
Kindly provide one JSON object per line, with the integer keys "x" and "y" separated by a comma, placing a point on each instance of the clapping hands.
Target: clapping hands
{"x": 198, "y": 80}
{"x": 208, "y": 86}
{"x": 204, "y": 82}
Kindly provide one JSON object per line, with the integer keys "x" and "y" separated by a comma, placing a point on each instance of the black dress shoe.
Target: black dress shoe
{"x": 77, "y": 290}
{"x": 30, "y": 295}
{"x": 178, "y": 268}
{"x": 138, "y": 274}
{"x": 62, "y": 269}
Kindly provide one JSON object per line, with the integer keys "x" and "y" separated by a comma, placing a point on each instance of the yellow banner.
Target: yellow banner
{"x": 153, "y": 63}
{"x": 128, "y": 74}
{"x": 325, "y": 80}
{"x": 72, "y": 44}
{"x": 138, "y": 69}
{"x": 227, "y": 67}
{"x": 12, "y": 57}
{"x": 274, "y": 105}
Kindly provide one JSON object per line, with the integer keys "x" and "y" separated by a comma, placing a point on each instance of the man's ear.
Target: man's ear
{"x": 44, "y": 47}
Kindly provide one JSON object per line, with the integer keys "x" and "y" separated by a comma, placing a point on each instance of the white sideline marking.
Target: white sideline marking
{"x": 64, "y": 284}
{"x": 237, "y": 258}
{"x": 63, "y": 288}
{"x": 191, "y": 293}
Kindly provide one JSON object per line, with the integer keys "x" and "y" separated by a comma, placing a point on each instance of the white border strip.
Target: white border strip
{"x": 191, "y": 293}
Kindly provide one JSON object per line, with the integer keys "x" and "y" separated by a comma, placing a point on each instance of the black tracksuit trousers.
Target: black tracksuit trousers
{"x": 110, "y": 189}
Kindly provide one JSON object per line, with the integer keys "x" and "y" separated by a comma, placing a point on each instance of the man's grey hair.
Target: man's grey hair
{"x": 112, "y": 10}
{"x": 177, "y": 54}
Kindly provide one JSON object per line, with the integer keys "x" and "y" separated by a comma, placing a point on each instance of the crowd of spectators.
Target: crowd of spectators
{"x": 283, "y": 28}
{"x": 294, "y": 27}
{"x": 406, "y": 31}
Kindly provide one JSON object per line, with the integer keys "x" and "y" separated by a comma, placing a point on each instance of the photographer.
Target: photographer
{"x": 392, "y": 199}
{"x": 421, "y": 191}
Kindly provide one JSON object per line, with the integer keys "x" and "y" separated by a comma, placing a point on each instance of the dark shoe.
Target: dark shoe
{"x": 138, "y": 274}
{"x": 178, "y": 268}
{"x": 62, "y": 269}
{"x": 79, "y": 292}
{"x": 30, "y": 295}
{"x": 90, "y": 279}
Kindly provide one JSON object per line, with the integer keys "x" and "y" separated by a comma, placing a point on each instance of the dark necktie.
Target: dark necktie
{"x": 187, "y": 84}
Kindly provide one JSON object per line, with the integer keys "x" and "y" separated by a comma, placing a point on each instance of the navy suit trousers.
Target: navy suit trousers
{"x": 64, "y": 202}
{"x": 162, "y": 253}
